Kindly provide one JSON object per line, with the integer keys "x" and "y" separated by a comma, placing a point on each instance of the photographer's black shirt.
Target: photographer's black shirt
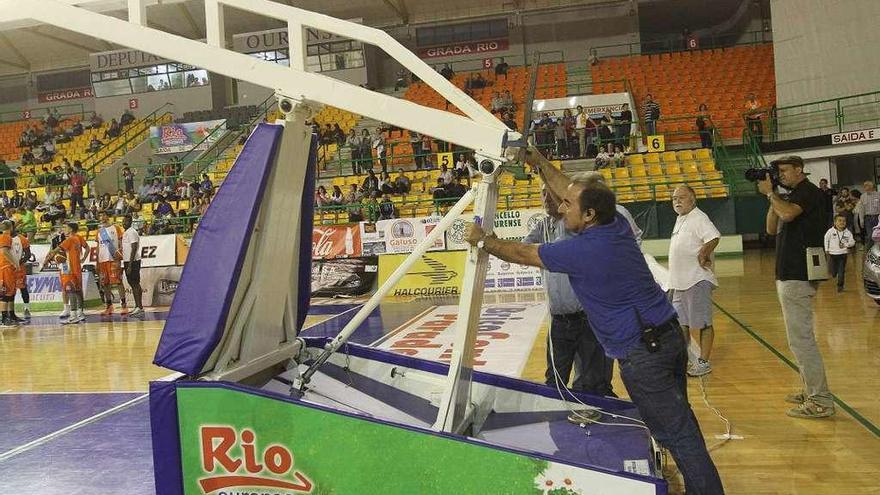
{"x": 805, "y": 231}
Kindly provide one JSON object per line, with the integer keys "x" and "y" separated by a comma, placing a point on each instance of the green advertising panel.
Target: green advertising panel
{"x": 234, "y": 443}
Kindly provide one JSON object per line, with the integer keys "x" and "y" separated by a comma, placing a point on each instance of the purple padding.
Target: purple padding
{"x": 307, "y": 213}
{"x": 167, "y": 471}
{"x": 207, "y": 285}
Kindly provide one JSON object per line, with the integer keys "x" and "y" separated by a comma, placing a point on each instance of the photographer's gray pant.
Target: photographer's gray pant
{"x": 796, "y": 299}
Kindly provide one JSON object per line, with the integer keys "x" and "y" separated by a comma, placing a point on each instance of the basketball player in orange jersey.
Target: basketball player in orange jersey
{"x": 21, "y": 249}
{"x": 8, "y": 266}
{"x": 73, "y": 251}
{"x": 110, "y": 262}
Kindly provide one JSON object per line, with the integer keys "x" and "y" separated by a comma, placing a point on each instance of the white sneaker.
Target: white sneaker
{"x": 701, "y": 368}
{"x": 136, "y": 313}
{"x": 64, "y": 315}
{"x": 27, "y": 314}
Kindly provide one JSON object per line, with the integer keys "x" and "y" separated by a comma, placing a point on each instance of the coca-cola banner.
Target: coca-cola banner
{"x": 336, "y": 241}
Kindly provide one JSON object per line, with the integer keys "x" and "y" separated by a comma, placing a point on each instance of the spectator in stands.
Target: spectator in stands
{"x": 828, "y": 200}
{"x": 56, "y": 213}
{"x": 603, "y": 159}
{"x": 326, "y": 137}
{"x": 76, "y": 129}
{"x": 27, "y": 225}
{"x": 17, "y": 199}
{"x": 427, "y": 151}
{"x": 378, "y": 144}
{"x": 844, "y": 205}
{"x": 651, "y": 114}
{"x": 593, "y": 57}
{"x": 95, "y": 144}
{"x": 704, "y": 126}
{"x": 30, "y": 200}
{"x": 96, "y": 121}
{"x": 402, "y": 183}
{"x": 113, "y": 131}
{"x": 439, "y": 191}
{"x": 126, "y": 118}
{"x": 456, "y": 189}
{"x": 507, "y": 101}
{"x": 352, "y": 196}
{"x": 870, "y": 201}
{"x": 118, "y": 208}
{"x": 28, "y": 158}
{"x": 461, "y": 167}
{"x": 605, "y": 128}
{"x": 353, "y": 143}
{"x": 753, "y": 115}
{"x": 92, "y": 211}
{"x": 497, "y": 105}
{"x": 321, "y": 197}
{"x": 507, "y": 119}
{"x": 50, "y": 121}
{"x": 370, "y": 207}
{"x": 542, "y": 129}
{"x": 623, "y": 126}
{"x": 415, "y": 141}
{"x": 619, "y": 158}
{"x": 4, "y": 200}
{"x": 127, "y": 177}
{"x": 132, "y": 204}
{"x": 502, "y": 68}
{"x": 163, "y": 209}
{"x": 386, "y": 185}
{"x": 337, "y": 198}
{"x": 355, "y": 214}
{"x": 153, "y": 191}
{"x": 446, "y": 175}
{"x": 7, "y": 176}
{"x": 386, "y": 208}
{"x": 447, "y": 72}
{"x": 371, "y": 182}
{"x": 401, "y": 80}
{"x": 105, "y": 205}
{"x": 338, "y": 135}
{"x": 563, "y": 132}
{"x": 582, "y": 120}
{"x": 77, "y": 182}
{"x": 206, "y": 185}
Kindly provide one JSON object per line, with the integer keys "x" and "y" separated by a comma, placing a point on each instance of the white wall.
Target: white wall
{"x": 825, "y": 49}
{"x": 184, "y": 100}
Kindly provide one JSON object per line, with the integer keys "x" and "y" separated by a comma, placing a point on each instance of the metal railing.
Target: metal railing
{"x": 819, "y": 118}
{"x": 64, "y": 111}
{"x": 678, "y": 44}
{"x": 130, "y": 137}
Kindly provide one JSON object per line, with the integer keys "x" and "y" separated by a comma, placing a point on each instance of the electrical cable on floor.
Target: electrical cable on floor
{"x": 728, "y": 428}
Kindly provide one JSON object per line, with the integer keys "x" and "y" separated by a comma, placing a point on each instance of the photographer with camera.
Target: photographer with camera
{"x": 798, "y": 221}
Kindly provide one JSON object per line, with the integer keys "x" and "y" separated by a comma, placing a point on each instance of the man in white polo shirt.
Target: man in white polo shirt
{"x": 691, "y": 279}
{"x": 131, "y": 263}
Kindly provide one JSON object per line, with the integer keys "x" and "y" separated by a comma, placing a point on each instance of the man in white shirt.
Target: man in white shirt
{"x": 580, "y": 128}
{"x": 691, "y": 280}
{"x": 131, "y": 263}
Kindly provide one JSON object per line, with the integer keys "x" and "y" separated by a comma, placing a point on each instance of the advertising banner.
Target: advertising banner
{"x": 398, "y": 235}
{"x": 505, "y": 336}
{"x": 436, "y": 274}
{"x": 232, "y": 441}
{"x": 159, "y": 285}
{"x": 45, "y": 291}
{"x": 344, "y": 277}
{"x": 180, "y": 138}
{"x": 460, "y": 49}
{"x": 336, "y": 241}
{"x": 511, "y": 225}
{"x": 65, "y": 94}
{"x": 156, "y": 250}
{"x": 504, "y": 276}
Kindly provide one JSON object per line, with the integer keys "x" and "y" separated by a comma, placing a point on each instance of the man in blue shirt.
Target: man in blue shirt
{"x": 629, "y": 313}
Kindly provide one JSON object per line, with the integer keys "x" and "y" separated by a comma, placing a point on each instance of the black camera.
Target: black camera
{"x": 756, "y": 174}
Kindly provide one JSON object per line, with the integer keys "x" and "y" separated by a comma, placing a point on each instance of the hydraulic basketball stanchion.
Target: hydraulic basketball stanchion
{"x": 456, "y": 410}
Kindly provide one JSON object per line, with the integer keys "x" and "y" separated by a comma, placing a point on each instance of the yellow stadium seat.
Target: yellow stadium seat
{"x": 685, "y": 156}
{"x": 636, "y": 159}
{"x": 704, "y": 154}
{"x": 668, "y": 157}
{"x": 652, "y": 158}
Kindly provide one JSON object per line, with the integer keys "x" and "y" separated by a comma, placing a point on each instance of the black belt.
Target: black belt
{"x": 664, "y": 327}
{"x": 571, "y": 316}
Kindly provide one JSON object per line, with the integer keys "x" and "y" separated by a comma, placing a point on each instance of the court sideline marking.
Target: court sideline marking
{"x": 837, "y": 400}
{"x": 103, "y": 414}
{"x": 67, "y": 429}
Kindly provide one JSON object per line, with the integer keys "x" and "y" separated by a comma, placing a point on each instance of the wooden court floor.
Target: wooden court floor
{"x": 777, "y": 454}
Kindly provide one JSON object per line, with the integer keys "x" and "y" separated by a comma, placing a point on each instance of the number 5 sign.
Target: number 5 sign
{"x": 656, "y": 144}
{"x": 445, "y": 159}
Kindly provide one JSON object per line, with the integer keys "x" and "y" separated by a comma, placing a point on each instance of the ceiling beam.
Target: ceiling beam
{"x": 36, "y": 31}
{"x": 399, "y": 8}
{"x": 26, "y": 68}
{"x": 15, "y": 51}
{"x": 196, "y": 29}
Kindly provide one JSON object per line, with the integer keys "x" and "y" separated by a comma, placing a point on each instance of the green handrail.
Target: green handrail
{"x": 38, "y": 113}
{"x": 675, "y": 44}
{"x": 91, "y": 162}
{"x": 823, "y": 117}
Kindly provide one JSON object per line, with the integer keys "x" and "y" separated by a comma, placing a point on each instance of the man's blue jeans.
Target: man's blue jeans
{"x": 657, "y": 384}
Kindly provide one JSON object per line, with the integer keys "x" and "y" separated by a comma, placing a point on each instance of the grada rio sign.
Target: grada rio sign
{"x": 463, "y": 49}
